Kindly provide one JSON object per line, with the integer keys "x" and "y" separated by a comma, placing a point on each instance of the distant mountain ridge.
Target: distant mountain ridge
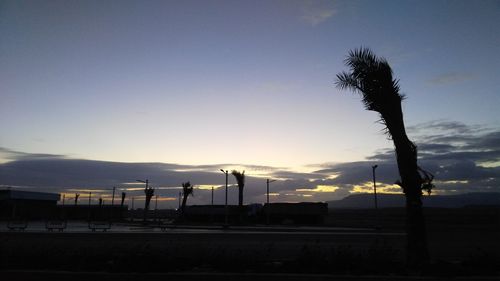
{"x": 366, "y": 200}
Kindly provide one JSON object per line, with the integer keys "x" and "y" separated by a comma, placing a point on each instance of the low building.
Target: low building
{"x": 17, "y": 204}
{"x": 306, "y": 213}
{"x": 92, "y": 212}
{"x": 215, "y": 213}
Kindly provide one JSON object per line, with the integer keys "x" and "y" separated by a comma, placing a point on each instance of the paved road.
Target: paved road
{"x": 83, "y": 227}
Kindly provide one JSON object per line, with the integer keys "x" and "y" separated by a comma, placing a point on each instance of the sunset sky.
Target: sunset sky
{"x": 96, "y": 94}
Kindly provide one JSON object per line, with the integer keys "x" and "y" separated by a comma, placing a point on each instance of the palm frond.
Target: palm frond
{"x": 346, "y": 81}
{"x": 240, "y": 177}
{"x": 372, "y": 77}
{"x": 427, "y": 179}
{"x": 187, "y": 188}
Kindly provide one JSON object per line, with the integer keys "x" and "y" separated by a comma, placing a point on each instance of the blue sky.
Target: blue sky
{"x": 242, "y": 82}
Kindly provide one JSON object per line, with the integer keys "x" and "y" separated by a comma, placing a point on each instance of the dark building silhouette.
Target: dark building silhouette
{"x": 305, "y": 213}
{"x": 92, "y": 212}
{"x": 216, "y": 213}
{"x": 27, "y": 204}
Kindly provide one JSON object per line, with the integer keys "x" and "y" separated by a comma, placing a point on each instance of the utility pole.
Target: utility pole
{"x": 375, "y": 195}
{"x": 112, "y": 203}
{"x": 225, "y": 204}
{"x": 90, "y": 196}
{"x": 212, "y": 195}
{"x": 132, "y": 211}
{"x": 180, "y": 195}
{"x": 268, "y": 209}
{"x": 113, "y": 197}
{"x": 156, "y": 207}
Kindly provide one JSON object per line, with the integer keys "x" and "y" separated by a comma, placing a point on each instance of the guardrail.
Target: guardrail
{"x": 14, "y": 225}
{"x": 99, "y": 225}
{"x": 58, "y": 225}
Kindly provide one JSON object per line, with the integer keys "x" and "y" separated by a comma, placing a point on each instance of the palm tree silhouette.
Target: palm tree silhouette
{"x": 240, "y": 179}
{"x": 372, "y": 77}
{"x": 121, "y": 204}
{"x": 123, "y": 199}
{"x": 149, "y": 192}
{"x": 187, "y": 189}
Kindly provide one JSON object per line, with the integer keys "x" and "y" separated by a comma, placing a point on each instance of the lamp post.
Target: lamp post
{"x": 112, "y": 203}
{"x": 375, "y": 194}
{"x": 113, "y": 197}
{"x": 156, "y": 207}
{"x": 90, "y": 197}
{"x": 132, "y": 211}
{"x": 180, "y": 196}
{"x": 268, "y": 206}
{"x": 121, "y": 204}
{"x": 375, "y": 186}
{"x": 225, "y": 204}
{"x": 267, "y": 182}
{"x": 212, "y": 195}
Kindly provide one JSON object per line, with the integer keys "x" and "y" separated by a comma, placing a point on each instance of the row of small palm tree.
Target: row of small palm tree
{"x": 187, "y": 189}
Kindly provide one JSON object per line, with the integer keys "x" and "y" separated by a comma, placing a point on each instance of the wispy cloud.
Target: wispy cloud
{"x": 315, "y": 12}
{"x": 451, "y": 77}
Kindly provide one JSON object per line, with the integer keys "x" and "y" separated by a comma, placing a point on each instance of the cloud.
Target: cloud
{"x": 316, "y": 12}
{"x": 463, "y": 158}
{"x": 7, "y": 154}
{"x": 450, "y": 78}
{"x": 445, "y": 126}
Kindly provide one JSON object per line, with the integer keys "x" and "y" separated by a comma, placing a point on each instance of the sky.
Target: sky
{"x": 96, "y": 94}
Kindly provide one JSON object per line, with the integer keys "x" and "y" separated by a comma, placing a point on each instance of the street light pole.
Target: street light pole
{"x": 180, "y": 195}
{"x": 112, "y": 203}
{"x": 63, "y": 202}
{"x": 375, "y": 186}
{"x": 90, "y": 196}
{"x": 113, "y": 197}
{"x": 156, "y": 207}
{"x": 225, "y": 206}
{"x": 212, "y": 195}
{"x": 375, "y": 194}
{"x": 132, "y": 213}
{"x": 268, "y": 206}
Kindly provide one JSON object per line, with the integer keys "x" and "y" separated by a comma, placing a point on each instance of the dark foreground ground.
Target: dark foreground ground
{"x": 464, "y": 243}
{"x": 184, "y": 276}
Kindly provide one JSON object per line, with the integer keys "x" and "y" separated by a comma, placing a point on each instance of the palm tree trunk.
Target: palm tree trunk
{"x": 406, "y": 152}
{"x": 184, "y": 200}
{"x": 146, "y": 208}
{"x": 240, "y": 196}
